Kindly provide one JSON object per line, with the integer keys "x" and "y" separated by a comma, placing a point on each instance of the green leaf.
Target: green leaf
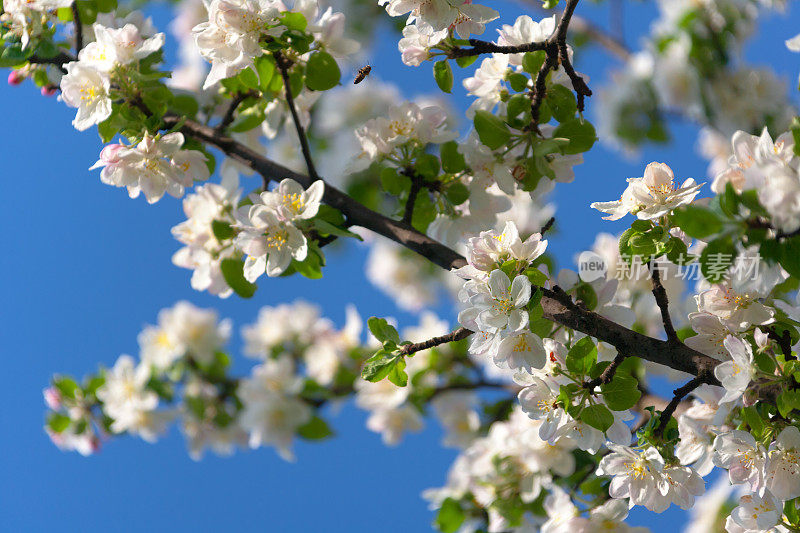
{"x": 184, "y": 105}
{"x": 697, "y": 222}
{"x": 265, "y": 67}
{"x": 598, "y": 416}
{"x": 466, "y": 61}
{"x": 443, "y": 75}
{"x": 311, "y": 266}
{"x": 582, "y": 356}
{"x": 248, "y": 117}
{"x": 622, "y": 392}
{"x": 452, "y": 160}
{"x": 58, "y": 422}
{"x": 294, "y": 21}
{"x": 322, "y": 72}
{"x": 753, "y": 419}
{"x": 562, "y": 102}
{"x": 379, "y": 365}
{"x": 790, "y": 256}
{"x": 492, "y": 131}
{"x": 382, "y": 330}
{"x": 533, "y": 61}
{"x": 234, "y": 277}
{"x": 457, "y": 193}
{"x": 519, "y": 82}
{"x": 66, "y": 386}
{"x": 716, "y": 258}
{"x": 427, "y": 166}
{"x": 450, "y": 516}
{"x": 315, "y": 429}
{"x": 787, "y": 401}
{"x": 398, "y": 374}
{"x": 580, "y": 133}
{"x": 222, "y": 230}
{"x": 393, "y": 182}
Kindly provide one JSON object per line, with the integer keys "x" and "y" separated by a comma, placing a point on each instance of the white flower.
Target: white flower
{"x": 711, "y": 333}
{"x": 522, "y": 350}
{"x": 491, "y": 249}
{"x": 406, "y": 122}
{"x": 327, "y": 29}
{"x": 121, "y": 46}
{"x": 682, "y": 484}
{"x": 793, "y": 44}
{"x": 525, "y": 30}
{"x": 183, "y": 330}
{"x": 269, "y": 243}
{"x": 436, "y": 15}
{"x": 735, "y": 375}
{"x": 737, "y": 311}
{"x": 127, "y": 401}
{"x": 272, "y": 413}
{"x": 637, "y": 475}
{"x": 757, "y": 513}
{"x": 291, "y": 202}
{"x": 651, "y": 196}
{"x": 487, "y": 81}
{"x": 538, "y": 401}
{"x": 392, "y": 423}
{"x": 414, "y": 44}
{"x": 87, "y": 89}
{"x": 738, "y": 452}
{"x": 154, "y": 166}
{"x": 501, "y": 303}
{"x": 454, "y": 410}
{"x": 581, "y": 435}
{"x": 289, "y": 326}
{"x": 783, "y": 465}
{"x": 230, "y": 39}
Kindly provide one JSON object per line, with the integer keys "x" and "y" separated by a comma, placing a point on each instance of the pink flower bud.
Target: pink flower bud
{"x": 49, "y": 90}
{"x": 52, "y": 398}
{"x": 110, "y": 153}
{"x": 15, "y": 77}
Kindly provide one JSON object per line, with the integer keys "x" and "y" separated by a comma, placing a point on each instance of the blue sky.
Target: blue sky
{"x": 85, "y": 268}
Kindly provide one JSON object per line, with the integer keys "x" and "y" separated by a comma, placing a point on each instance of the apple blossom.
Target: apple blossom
{"x": 782, "y": 476}
{"x": 738, "y": 452}
{"x": 735, "y": 374}
{"x": 87, "y": 89}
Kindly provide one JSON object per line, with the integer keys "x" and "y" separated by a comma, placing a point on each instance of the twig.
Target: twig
{"x": 784, "y": 341}
{"x": 284, "y": 65}
{"x": 663, "y": 304}
{"x": 484, "y": 47}
{"x": 228, "y": 118}
{"x": 76, "y": 18}
{"x": 578, "y": 84}
{"x": 679, "y": 394}
{"x": 408, "y": 213}
{"x": 607, "y": 375}
{"x": 453, "y": 336}
{"x": 547, "y": 226}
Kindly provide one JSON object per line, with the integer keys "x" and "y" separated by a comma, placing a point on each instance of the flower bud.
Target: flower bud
{"x": 15, "y": 77}
{"x": 49, "y": 90}
{"x": 52, "y": 397}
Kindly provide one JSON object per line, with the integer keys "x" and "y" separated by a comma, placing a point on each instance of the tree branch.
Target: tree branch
{"x": 607, "y": 375}
{"x": 484, "y": 47}
{"x": 663, "y": 304}
{"x": 76, "y": 18}
{"x": 547, "y": 226}
{"x": 228, "y": 118}
{"x": 453, "y": 336}
{"x": 679, "y": 393}
{"x": 557, "y": 305}
{"x": 284, "y": 65}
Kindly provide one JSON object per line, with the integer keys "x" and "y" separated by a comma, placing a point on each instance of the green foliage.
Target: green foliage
{"x": 716, "y": 258}
{"x": 598, "y": 416}
{"x": 533, "y": 61}
{"x": 315, "y": 429}
{"x": 580, "y": 133}
{"x": 382, "y": 330}
{"x": 222, "y": 230}
{"x": 562, "y": 102}
{"x": 232, "y": 271}
{"x": 582, "y": 356}
{"x": 450, "y": 516}
{"x": 443, "y": 75}
{"x": 696, "y": 221}
{"x": 322, "y": 72}
{"x": 452, "y": 160}
{"x": 622, "y": 392}
{"x": 492, "y": 131}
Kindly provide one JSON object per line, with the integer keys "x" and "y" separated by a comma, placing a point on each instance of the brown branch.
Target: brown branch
{"x": 416, "y": 185}
{"x": 547, "y": 226}
{"x": 453, "y": 336}
{"x": 662, "y": 301}
{"x": 784, "y": 341}
{"x": 230, "y": 113}
{"x": 607, "y": 375}
{"x": 484, "y": 47}
{"x": 679, "y": 394}
{"x": 76, "y": 18}
{"x": 557, "y": 305}
{"x": 283, "y": 66}
{"x": 578, "y": 84}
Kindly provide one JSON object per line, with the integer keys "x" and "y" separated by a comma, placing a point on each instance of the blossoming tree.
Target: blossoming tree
{"x": 572, "y": 435}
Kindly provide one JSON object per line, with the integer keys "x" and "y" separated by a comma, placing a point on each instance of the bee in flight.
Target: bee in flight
{"x": 363, "y": 72}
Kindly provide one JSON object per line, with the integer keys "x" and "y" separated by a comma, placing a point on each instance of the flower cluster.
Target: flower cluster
{"x": 155, "y": 166}
{"x": 268, "y": 233}
{"x": 87, "y": 83}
